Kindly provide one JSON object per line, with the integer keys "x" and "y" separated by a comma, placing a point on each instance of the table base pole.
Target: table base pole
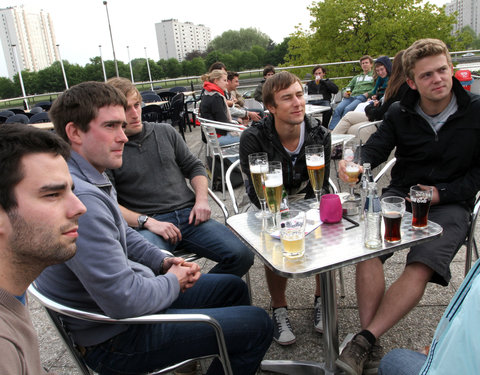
{"x": 295, "y": 367}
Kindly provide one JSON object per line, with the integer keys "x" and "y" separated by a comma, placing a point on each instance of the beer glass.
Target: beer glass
{"x": 292, "y": 233}
{"x": 393, "y": 209}
{"x": 273, "y": 182}
{"x": 315, "y": 158}
{"x": 258, "y": 167}
{"x": 420, "y": 200}
{"x": 351, "y": 154}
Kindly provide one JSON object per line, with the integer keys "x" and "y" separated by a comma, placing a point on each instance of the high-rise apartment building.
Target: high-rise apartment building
{"x": 176, "y": 39}
{"x": 33, "y": 35}
{"x": 468, "y": 14}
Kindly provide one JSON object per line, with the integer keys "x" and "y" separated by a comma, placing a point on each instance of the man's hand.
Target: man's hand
{"x": 200, "y": 213}
{"x": 166, "y": 230}
{"x": 342, "y": 171}
{"x": 254, "y": 116}
{"x": 187, "y": 273}
{"x": 435, "y": 194}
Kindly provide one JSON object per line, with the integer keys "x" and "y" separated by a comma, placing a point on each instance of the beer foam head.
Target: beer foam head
{"x": 259, "y": 168}
{"x": 273, "y": 180}
{"x": 352, "y": 168}
{"x": 315, "y": 161}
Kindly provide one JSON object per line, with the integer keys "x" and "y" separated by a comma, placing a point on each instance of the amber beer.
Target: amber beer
{"x": 294, "y": 245}
{"x": 392, "y": 221}
{"x": 316, "y": 173}
{"x": 352, "y": 170}
{"x": 258, "y": 172}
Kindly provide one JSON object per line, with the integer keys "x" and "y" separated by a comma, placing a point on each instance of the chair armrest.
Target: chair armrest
{"x": 219, "y": 204}
{"x": 385, "y": 169}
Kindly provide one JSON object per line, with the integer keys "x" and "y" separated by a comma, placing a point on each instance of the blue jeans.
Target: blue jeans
{"x": 228, "y": 139}
{"x": 210, "y": 239}
{"x": 248, "y": 332}
{"x": 345, "y": 106}
{"x": 402, "y": 362}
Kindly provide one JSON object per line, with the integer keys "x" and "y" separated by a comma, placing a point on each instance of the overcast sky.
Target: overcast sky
{"x": 81, "y": 26}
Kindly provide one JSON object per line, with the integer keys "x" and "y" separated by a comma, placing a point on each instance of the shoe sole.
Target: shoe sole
{"x": 319, "y": 330}
{"x": 345, "y": 367}
{"x": 285, "y": 343}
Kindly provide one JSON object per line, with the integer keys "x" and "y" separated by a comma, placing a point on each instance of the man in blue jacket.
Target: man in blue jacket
{"x": 117, "y": 272}
{"x": 435, "y": 130}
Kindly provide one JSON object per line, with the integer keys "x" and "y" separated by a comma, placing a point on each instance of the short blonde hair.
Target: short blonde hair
{"x": 125, "y": 86}
{"x": 420, "y": 49}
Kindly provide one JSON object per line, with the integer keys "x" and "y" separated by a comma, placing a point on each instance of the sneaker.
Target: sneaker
{"x": 318, "y": 315}
{"x": 354, "y": 355}
{"x": 373, "y": 359}
{"x": 282, "y": 330}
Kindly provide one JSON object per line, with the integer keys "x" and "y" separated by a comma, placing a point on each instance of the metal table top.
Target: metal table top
{"x": 328, "y": 247}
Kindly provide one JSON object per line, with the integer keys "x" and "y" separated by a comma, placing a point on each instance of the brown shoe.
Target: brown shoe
{"x": 354, "y": 355}
{"x": 373, "y": 359}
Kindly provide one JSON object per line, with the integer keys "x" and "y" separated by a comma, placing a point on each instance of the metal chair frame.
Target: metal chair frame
{"x": 55, "y": 311}
{"x": 470, "y": 241}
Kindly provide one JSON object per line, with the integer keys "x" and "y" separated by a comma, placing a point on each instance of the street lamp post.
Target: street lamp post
{"x": 148, "y": 68}
{"x": 14, "y": 46}
{"x": 111, "y": 38}
{"x": 130, "y": 63}
{"x": 63, "y": 69}
{"x": 103, "y": 65}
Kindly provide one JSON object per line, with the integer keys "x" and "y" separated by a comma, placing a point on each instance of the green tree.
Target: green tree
{"x": 344, "y": 30}
{"x": 93, "y": 70}
{"x": 7, "y": 88}
{"x": 469, "y": 38}
{"x": 243, "y": 40}
{"x": 276, "y": 55}
{"x": 173, "y": 68}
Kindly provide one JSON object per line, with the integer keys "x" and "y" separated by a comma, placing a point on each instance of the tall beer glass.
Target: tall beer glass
{"x": 273, "y": 189}
{"x": 351, "y": 154}
{"x": 258, "y": 163}
{"x": 420, "y": 199}
{"x": 315, "y": 158}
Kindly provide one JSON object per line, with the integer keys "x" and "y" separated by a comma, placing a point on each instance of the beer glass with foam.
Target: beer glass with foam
{"x": 421, "y": 199}
{"x": 258, "y": 163}
{"x": 351, "y": 155}
{"x": 315, "y": 158}
{"x": 393, "y": 209}
{"x": 273, "y": 182}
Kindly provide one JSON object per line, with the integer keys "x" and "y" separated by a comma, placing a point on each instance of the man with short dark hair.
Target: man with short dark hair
{"x": 119, "y": 273}
{"x": 268, "y": 71}
{"x": 283, "y": 135}
{"x": 38, "y": 227}
{"x": 236, "y": 102}
{"x": 357, "y": 93}
{"x": 435, "y": 131}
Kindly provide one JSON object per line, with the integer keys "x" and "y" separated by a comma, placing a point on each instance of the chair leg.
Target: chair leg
{"x": 342, "y": 283}
{"x": 213, "y": 172}
{"x": 223, "y": 177}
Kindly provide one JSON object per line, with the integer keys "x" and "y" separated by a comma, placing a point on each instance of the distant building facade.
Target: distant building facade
{"x": 176, "y": 39}
{"x": 33, "y": 35}
{"x": 468, "y": 14}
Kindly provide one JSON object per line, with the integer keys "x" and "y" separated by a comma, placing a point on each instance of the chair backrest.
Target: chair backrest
{"x": 18, "y": 118}
{"x": 56, "y": 310}
{"x": 39, "y": 118}
{"x": 385, "y": 169}
{"x": 150, "y": 98}
{"x": 228, "y": 181}
{"x": 152, "y": 113}
{"x": 178, "y": 89}
{"x": 44, "y": 105}
{"x": 17, "y": 111}
{"x": 6, "y": 113}
{"x": 36, "y": 110}
{"x": 177, "y": 106}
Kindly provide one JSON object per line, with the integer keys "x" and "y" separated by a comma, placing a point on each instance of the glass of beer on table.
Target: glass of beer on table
{"x": 420, "y": 199}
{"x": 273, "y": 182}
{"x": 351, "y": 155}
{"x": 315, "y": 158}
{"x": 393, "y": 209}
{"x": 258, "y": 163}
{"x": 292, "y": 233}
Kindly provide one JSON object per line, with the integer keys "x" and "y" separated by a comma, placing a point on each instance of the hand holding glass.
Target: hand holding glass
{"x": 393, "y": 209}
{"x": 292, "y": 233}
{"x": 258, "y": 163}
{"x": 352, "y": 167}
{"x": 315, "y": 159}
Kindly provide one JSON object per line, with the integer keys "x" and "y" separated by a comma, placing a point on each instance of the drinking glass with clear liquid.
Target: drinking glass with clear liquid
{"x": 273, "y": 182}
{"x": 315, "y": 158}
{"x": 258, "y": 163}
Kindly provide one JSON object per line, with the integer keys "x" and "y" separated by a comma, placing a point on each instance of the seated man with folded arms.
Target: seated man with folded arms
{"x": 117, "y": 272}
{"x": 435, "y": 130}
{"x": 283, "y": 135}
{"x": 235, "y": 101}
{"x": 155, "y": 198}
{"x": 38, "y": 227}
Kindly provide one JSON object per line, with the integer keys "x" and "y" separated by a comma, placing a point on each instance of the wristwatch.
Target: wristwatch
{"x": 141, "y": 220}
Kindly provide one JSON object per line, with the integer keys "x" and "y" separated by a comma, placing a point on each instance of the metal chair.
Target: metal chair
{"x": 150, "y": 98}
{"x": 209, "y": 129}
{"x": 40, "y": 117}
{"x": 18, "y": 118}
{"x": 470, "y": 241}
{"x": 152, "y": 113}
{"x": 56, "y": 311}
{"x": 365, "y": 126}
{"x": 176, "y": 113}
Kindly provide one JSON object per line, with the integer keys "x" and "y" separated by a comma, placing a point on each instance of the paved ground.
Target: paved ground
{"x": 414, "y": 331}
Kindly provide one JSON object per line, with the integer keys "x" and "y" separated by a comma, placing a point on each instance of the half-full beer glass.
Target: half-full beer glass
{"x": 421, "y": 199}
{"x": 258, "y": 163}
{"x": 315, "y": 158}
{"x": 292, "y": 233}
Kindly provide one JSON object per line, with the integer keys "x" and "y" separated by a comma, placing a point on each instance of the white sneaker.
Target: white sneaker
{"x": 318, "y": 315}
{"x": 282, "y": 330}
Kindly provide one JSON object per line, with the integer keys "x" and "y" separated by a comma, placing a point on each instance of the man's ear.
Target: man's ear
{"x": 271, "y": 109}
{"x": 73, "y": 133}
{"x": 411, "y": 84}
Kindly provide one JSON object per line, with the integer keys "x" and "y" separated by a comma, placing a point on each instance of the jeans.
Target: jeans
{"x": 402, "y": 362}
{"x": 228, "y": 139}
{"x": 345, "y": 106}
{"x": 248, "y": 332}
{"x": 210, "y": 239}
